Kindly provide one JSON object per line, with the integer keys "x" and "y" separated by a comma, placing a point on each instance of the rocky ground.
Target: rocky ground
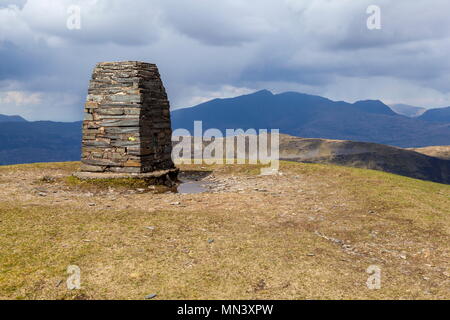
{"x": 310, "y": 232}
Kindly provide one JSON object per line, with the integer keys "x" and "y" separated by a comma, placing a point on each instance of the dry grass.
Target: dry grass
{"x": 308, "y": 234}
{"x": 442, "y": 152}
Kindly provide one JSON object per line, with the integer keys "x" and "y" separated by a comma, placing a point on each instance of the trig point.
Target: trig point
{"x": 126, "y": 129}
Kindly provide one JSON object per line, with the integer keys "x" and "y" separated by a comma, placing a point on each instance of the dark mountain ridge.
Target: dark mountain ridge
{"x": 4, "y": 118}
{"x": 311, "y": 116}
{"x": 41, "y": 141}
{"x": 441, "y": 115}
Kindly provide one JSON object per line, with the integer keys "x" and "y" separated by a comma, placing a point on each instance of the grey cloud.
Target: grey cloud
{"x": 317, "y": 46}
{"x": 7, "y": 3}
{"x": 102, "y": 21}
{"x": 224, "y": 23}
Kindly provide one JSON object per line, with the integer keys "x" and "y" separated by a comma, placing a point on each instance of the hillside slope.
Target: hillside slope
{"x": 441, "y": 152}
{"x": 310, "y": 233}
{"x": 364, "y": 155}
{"x": 367, "y": 156}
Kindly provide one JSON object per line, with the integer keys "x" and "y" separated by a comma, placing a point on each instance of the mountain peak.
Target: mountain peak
{"x": 4, "y": 118}
{"x": 262, "y": 92}
{"x": 374, "y": 106}
{"x": 373, "y": 102}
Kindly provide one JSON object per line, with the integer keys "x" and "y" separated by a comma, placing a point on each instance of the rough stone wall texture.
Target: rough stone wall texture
{"x": 126, "y": 126}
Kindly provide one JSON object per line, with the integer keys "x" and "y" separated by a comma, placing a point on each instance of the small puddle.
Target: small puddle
{"x": 190, "y": 187}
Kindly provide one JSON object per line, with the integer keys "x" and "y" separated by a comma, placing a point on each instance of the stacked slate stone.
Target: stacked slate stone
{"x": 126, "y": 126}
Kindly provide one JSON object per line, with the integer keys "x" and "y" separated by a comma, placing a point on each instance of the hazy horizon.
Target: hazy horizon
{"x": 173, "y": 109}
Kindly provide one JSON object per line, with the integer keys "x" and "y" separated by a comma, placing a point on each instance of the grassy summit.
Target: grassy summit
{"x": 310, "y": 233}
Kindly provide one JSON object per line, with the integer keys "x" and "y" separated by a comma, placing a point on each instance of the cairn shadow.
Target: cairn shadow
{"x": 193, "y": 175}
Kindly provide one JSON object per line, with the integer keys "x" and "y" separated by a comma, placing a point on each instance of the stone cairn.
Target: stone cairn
{"x": 126, "y": 128}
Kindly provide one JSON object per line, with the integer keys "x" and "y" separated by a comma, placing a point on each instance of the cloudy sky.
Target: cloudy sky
{"x": 207, "y": 49}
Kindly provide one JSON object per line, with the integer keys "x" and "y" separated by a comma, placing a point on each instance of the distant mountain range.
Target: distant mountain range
{"x": 293, "y": 113}
{"x": 41, "y": 141}
{"x": 311, "y": 116}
